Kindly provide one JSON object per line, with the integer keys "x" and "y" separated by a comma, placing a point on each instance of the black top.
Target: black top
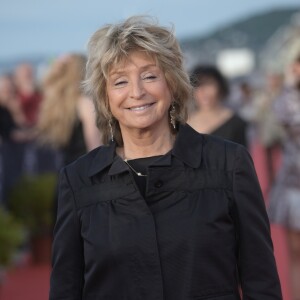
{"x": 234, "y": 129}
{"x": 141, "y": 165}
{"x": 7, "y": 124}
{"x": 76, "y": 145}
{"x": 203, "y": 230}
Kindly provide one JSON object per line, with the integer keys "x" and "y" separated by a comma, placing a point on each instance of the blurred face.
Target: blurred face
{"x": 274, "y": 81}
{"x": 6, "y": 88}
{"x": 296, "y": 72}
{"x": 206, "y": 95}
{"x": 24, "y": 72}
{"x": 138, "y": 94}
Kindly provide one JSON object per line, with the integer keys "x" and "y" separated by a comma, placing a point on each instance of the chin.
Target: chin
{"x": 144, "y": 126}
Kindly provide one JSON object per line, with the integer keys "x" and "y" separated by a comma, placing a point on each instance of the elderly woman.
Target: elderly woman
{"x": 161, "y": 211}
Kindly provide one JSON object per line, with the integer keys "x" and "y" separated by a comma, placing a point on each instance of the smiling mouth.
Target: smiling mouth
{"x": 140, "y": 108}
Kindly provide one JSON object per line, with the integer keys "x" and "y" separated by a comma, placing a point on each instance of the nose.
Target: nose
{"x": 137, "y": 89}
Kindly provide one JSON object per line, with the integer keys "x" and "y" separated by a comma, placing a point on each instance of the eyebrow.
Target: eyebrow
{"x": 121, "y": 71}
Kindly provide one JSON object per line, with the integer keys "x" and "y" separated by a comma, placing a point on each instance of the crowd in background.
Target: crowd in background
{"x": 43, "y": 127}
{"x": 48, "y": 125}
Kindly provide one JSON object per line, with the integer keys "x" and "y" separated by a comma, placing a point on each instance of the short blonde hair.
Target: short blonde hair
{"x": 112, "y": 43}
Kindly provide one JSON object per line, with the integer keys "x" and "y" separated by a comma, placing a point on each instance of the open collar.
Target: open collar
{"x": 187, "y": 148}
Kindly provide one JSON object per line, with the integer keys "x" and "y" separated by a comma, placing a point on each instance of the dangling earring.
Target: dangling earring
{"x": 111, "y": 129}
{"x": 172, "y": 115}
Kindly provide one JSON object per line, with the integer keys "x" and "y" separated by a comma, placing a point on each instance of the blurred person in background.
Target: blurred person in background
{"x": 245, "y": 100}
{"x": 27, "y": 92}
{"x": 11, "y": 115}
{"x": 12, "y": 121}
{"x": 284, "y": 207}
{"x": 67, "y": 121}
{"x": 245, "y": 92}
{"x": 209, "y": 114}
{"x": 155, "y": 213}
{"x": 269, "y": 130}
{"x": 67, "y": 118}
{"x": 29, "y": 96}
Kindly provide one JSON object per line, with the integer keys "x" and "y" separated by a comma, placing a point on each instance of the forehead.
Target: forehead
{"x": 138, "y": 59}
{"x": 206, "y": 81}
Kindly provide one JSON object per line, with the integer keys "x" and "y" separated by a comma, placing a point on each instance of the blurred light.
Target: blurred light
{"x": 236, "y": 62}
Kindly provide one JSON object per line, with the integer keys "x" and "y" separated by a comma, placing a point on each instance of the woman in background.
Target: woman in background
{"x": 12, "y": 135}
{"x": 28, "y": 93}
{"x": 67, "y": 118}
{"x": 285, "y": 194}
{"x": 11, "y": 116}
{"x": 210, "y": 115}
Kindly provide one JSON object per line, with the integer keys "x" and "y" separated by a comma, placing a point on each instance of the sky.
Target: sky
{"x": 34, "y": 27}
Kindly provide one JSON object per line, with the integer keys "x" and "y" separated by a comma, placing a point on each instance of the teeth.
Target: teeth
{"x": 140, "y": 107}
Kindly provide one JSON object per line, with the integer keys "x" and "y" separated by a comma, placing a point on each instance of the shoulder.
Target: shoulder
{"x": 238, "y": 120}
{"x": 220, "y": 153}
{"x": 78, "y": 171}
{"x": 85, "y": 108}
{"x": 205, "y": 150}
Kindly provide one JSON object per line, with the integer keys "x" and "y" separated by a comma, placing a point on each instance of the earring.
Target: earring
{"x": 173, "y": 115}
{"x": 111, "y": 129}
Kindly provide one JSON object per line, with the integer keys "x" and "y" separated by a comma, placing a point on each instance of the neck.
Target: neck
{"x": 146, "y": 143}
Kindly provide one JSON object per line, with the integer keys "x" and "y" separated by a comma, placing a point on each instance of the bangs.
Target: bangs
{"x": 118, "y": 51}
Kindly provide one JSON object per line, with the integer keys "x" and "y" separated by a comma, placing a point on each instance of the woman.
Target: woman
{"x": 27, "y": 92}
{"x": 160, "y": 211}
{"x": 66, "y": 120}
{"x": 284, "y": 207}
{"x": 211, "y": 116}
{"x": 12, "y": 136}
{"x": 10, "y": 110}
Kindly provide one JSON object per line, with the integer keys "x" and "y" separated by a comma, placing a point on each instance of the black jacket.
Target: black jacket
{"x": 201, "y": 226}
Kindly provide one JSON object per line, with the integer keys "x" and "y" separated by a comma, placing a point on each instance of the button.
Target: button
{"x": 158, "y": 184}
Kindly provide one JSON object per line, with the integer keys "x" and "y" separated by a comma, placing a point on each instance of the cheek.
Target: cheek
{"x": 114, "y": 99}
{"x": 212, "y": 93}
{"x": 167, "y": 97}
{"x": 199, "y": 94}
{"x": 297, "y": 71}
{"x": 208, "y": 93}
{"x": 164, "y": 93}
{"x": 114, "y": 108}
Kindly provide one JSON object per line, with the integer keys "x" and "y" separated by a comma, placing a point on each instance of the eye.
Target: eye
{"x": 120, "y": 83}
{"x": 150, "y": 77}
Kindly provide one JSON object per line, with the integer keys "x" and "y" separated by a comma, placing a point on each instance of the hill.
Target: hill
{"x": 252, "y": 32}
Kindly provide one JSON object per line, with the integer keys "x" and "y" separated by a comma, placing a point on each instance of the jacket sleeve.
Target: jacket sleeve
{"x": 256, "y": 262}
{"x": 67, "y": 254}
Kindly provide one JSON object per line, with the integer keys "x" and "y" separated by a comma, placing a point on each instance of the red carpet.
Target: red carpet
{"x": 29, "y": 282}
{"x": 281, "y": 255}
{"x": 278, "y": 233}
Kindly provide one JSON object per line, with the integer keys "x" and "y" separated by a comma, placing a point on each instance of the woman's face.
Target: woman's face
{"x": 206, "y": 95}
{"x": 6, "y": 89}
{"x": 138, "y": 94}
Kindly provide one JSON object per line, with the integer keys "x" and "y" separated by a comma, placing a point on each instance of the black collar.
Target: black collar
{"x": 187, "y": 148}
